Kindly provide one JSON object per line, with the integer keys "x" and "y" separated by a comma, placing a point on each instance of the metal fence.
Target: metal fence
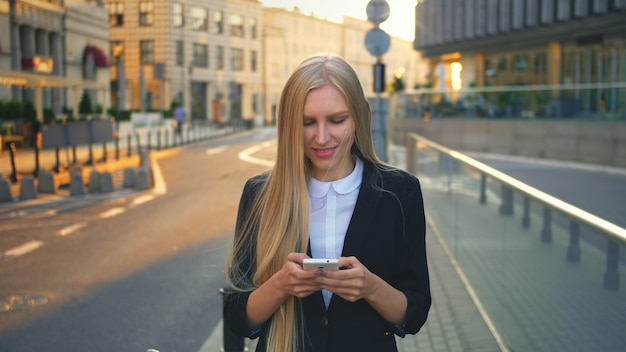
{"x": 542, "y": 284}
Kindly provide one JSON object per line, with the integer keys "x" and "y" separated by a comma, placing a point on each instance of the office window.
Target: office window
{"x": 180, "y": 53}
{"x": 253, "y": 28}
{"x": 146, "y": 51}
{"x": 219, "y": 57}
{"x": 199, "y": 18}
{"x": 236, "y": 26}
{"x": 117, "y": 50}
{"x": 146, "y": 13}
{"x": 178, "y": 15}
{"x": 253, "y": 60}
{"x": 236, "y": 59}
{"x": 200, "y": 55}
{"x": 218, "y": 19}
{"x": 116, "y": 14}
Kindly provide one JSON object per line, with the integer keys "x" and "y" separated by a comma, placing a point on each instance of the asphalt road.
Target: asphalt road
{"x": 130, "y": 271}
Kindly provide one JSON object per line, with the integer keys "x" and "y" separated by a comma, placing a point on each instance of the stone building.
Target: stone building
{"x": 205, "y": 54}
{"x": 291, "y": 36}
{"x": 53, "y": 50}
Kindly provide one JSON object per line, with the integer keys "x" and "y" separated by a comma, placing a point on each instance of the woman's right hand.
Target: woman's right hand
{"x": 293, "y": 280}
{"x": 290, "y": 280}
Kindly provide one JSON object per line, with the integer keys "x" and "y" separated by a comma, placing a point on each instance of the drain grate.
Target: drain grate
{"x": 19, "y": 302}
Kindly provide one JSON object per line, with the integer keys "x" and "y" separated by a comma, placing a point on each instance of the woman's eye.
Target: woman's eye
{"x": 308, "y": 122}
{"x": 340, "y": 121}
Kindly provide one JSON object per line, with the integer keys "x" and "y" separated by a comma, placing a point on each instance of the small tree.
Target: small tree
{"x": 84, "y": 107}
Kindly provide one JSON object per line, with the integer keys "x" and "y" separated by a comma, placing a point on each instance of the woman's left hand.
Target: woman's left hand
{"x": 353, "y": 282}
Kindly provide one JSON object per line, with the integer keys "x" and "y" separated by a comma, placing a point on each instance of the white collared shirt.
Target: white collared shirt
{"x": 332, "y": 205}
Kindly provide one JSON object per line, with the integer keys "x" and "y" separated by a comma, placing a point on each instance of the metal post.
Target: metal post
{"x": 611, "y": 276}
{"x": 573, "y": 251}
{"x": 546, "y": 231}
{"x": 104, "y": 152}
{"x": 36, "y": 172}
{"x": 57, "y": 165}
{"x": 117, "y": 146}
{"x": 149, "y": 140}
{"x": 129, "y": 144}
{"x": 13, "y": 167}
{"x": 506, "y": 207}
{"x": 526, "y": 215}
{"x": 159, "y": 138}
{"x": 483, "y": 189}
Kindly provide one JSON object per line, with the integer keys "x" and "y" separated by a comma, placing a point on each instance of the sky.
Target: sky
{"x": 400, "y": 22}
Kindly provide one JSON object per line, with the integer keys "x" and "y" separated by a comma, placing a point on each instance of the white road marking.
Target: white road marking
{"x": 140, "y": 200}
{"x": 160, "y": 187}
{"x": 244, "y": 155}
{"x": 23, "y": 249}
{"x": 217, "y": 150}
{"x": 68, "y": 230}
{"x": 112, "y": 212}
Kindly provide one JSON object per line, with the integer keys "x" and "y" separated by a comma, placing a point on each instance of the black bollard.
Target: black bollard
{"x": 231, "y": 341}
{"x": 159, "y": 138}
{"x": 36, "y": 172}
{"x": 104, "y": 152}
{"x": 117, "y": 146}
{"x": 149, "y": 140}
{"x": 138, "y": 138}
{"x": 13, "y": 168}
{"x": 129, "y": 144}
{"x": 74, "y": 158}
{"x": 57, "y": 165}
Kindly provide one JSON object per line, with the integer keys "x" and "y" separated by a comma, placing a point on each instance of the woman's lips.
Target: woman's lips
{"x": 324, "y": 153}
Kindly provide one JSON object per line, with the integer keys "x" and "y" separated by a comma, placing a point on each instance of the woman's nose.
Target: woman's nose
{"x": 322, "y": 134}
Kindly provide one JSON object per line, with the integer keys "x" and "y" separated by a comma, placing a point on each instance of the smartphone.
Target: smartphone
{"x": 320, "y": 264}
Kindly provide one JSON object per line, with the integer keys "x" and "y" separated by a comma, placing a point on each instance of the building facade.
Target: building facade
{"x": 52, "y": 51}
{"x": 525, "y": 42}
{"x": 291, "y": 36}
{"x": 206, "y": 55}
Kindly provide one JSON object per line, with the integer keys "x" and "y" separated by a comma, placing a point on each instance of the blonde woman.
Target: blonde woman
{"x": 328, "y": 196}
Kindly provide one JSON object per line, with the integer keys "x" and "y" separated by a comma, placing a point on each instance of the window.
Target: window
{"x": 200, "y": 55}
{"x": 146, "y": 13}
{"x": 116, "y": 14}
{"x": 199, "y": 18}
{"x": 253, "y": 28}
{"x": 117, "y": 51}
{"x": 219, "y": 57}
{"x": 521, "y": 63}
{"x": 253, "y": 60}
{"x": 236, "y": 59}
{"x": 540, "y": 63}
{"x": 178, "y": 15}
{"x": 236, "y": 26}
{"x": 180, "y": 53}
{"x": 146, "y": 51}
{"x": 218, "y": 18}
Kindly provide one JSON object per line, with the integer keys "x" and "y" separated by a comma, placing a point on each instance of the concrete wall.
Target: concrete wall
{"x": 588, "y": 141}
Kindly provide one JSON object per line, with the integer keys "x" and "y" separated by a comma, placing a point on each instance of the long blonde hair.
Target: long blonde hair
{"x": 278, "y": 222}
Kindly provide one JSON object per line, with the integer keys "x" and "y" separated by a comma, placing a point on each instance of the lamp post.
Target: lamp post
{"x": 377, "y": 42}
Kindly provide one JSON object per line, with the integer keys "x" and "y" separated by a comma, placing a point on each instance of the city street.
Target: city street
{"x": 127, "y": 271}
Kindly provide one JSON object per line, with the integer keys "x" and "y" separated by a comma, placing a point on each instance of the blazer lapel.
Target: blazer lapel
{"x": 363, "y": 215}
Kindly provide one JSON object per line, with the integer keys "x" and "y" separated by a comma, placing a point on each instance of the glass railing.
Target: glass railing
{"x": 545, "y": 273}
{"x": 592, "y": 100}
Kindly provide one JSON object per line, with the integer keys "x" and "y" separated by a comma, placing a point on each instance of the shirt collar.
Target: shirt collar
{"x": 319, "y": 189}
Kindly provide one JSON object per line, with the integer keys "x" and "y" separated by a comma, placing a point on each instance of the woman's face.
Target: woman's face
{"x": 329, "y": 133}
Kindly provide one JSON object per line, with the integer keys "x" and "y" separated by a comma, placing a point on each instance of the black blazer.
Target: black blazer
{"x": 387, "y": 234}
